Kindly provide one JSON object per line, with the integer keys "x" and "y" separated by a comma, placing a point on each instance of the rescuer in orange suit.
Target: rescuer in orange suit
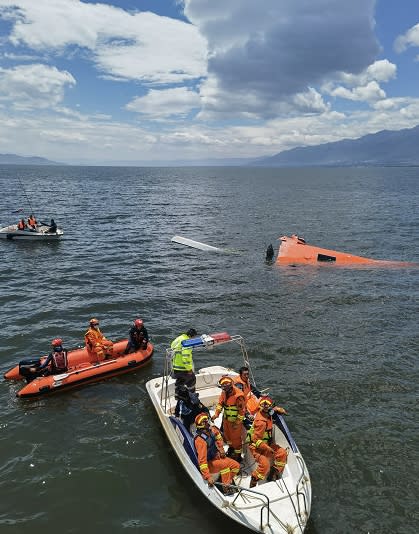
{"x": 242, "y": 382}
{"x": 233, "y": 405}
{"x": 212, "y": 459}
{"x": 262, "y": 446}
{"x": 98, "y": 347}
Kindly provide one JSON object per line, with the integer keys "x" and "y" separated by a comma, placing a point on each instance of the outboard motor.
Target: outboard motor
{"x": 25, "y": 368}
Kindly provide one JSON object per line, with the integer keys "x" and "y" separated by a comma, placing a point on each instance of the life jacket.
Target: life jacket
{"x": 59, "y": 361}
{"x": 229, "y": 405}
{"x": 212, "y": 450}
{"x": 92, "y": 337}
{"x": 32, "y": 221}
{"x": 244, "y": 386}
{"x": 21, "y": 225}
{"x": 267, "y": 435}
{"x": 252, "y": 402}
{"x": 182, "y": 357}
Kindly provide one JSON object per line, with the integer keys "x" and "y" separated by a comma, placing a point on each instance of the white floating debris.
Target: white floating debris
{"x": 192, "y": 243}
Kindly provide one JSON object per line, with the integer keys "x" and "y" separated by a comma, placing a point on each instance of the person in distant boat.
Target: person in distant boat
{"x": 182, "y": 362}
{"x": 21, "y": 225}
{"x": 98, "y": 347}
{"x": 52, "y": 227}
{"x": 188, "y": 406}
{"x": 138, "y": 337}
{"x": 233, "y": 405}
{"x": 270, "y": 457}
{"x": 251, "y": 394}
{"x": 212, "y": 459}
{"x": 56, "y": 362}
{"x": 32, "y": 222}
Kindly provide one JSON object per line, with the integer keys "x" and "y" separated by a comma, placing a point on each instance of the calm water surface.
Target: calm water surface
{"x": 338, "y": 347}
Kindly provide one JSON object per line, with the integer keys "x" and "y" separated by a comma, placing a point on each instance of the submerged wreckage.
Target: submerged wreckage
{"x": 294, "y": 250}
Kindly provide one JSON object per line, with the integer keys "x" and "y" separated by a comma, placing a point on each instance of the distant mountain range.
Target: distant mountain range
{"x": 383, "y": 148}
{"x": 13, "y": 159}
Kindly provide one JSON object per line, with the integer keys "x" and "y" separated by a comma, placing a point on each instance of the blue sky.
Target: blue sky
{"x": 164, "y": 80}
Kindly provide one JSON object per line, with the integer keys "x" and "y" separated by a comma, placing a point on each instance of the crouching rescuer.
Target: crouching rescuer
{"x": 270, "y": 457}
{"x": 212, "y": 459}
{"x": 98, "y": 347}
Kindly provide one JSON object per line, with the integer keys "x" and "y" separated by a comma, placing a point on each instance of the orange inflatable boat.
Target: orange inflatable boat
{"x": 295, "y": 250}
{"x": 80, "y": 370}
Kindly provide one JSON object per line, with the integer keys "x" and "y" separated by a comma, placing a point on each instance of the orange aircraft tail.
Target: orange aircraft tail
{"x": 294, "y": 250}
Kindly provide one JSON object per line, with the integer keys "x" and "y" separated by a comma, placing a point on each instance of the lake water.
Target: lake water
{"x": 338, "y": 347}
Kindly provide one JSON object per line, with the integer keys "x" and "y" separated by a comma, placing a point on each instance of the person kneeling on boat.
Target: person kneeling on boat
{"x": 138, "y": 337}
{"x": 98, "y": 347}
{"x": 188, "y": 406}
{"x": 262, "y": 446}
{"x": 233, "y": 405}
{"x": 212, "y": 459}
{"x": 56, "y": 362}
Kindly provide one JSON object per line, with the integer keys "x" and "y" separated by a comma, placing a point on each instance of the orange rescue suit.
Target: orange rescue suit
{"x": 264, "y": 450}
{"x": 252, "y": 402}
{"x": 210, "y": 444}
{"x": 234, "y": 410}
{"x": 97, "y": 344}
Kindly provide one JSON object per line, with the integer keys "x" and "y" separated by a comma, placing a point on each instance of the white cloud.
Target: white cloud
{"x": 366, "y": 93}
{"x": 178, "y": 101}
{"x": 262, "y": 57}
{"x": 410, "y": 38}
{"x": 140, "y": 46}
{"x": 34, "y": 86}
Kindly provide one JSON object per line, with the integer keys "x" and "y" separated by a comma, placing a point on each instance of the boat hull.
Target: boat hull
{"x": 269, "y": 508}
{"x": 82, "y": 371}
{"x": 41, "y": 234}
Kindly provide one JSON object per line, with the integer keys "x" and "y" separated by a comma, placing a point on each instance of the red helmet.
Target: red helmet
{"x": 265, "y": 402}
{"x": 225, "y": 381}
{"x": 201, "y": 420}
{"x": 57, "y": 342}
{"x": 138, "y": 323}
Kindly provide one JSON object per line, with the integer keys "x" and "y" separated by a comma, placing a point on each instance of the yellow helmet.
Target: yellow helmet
{"x": 225, "y": 381}
{"x": 201, "y": 420}
{"x": 265, "y": 402}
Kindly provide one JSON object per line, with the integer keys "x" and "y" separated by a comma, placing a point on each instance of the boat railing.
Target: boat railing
{"x": 253, "y": 493}
{"x": 303, "y": 478}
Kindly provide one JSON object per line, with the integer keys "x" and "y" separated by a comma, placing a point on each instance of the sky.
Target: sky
{"x": 120, "y": 81}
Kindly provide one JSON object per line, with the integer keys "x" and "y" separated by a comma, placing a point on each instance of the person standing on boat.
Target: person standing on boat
{"x": 212, "y": 459}
{"x": 21, "y": 225}
{"x": 32, "y": 222}
{"x": 138, "y": 337}
{"x": 98, "y": 347}
{"x": 182, "y": 362}
{"x": 56, "y": 362}
{"x": 250, "y": 393}
{"x": 233, "y": 405}
{"x": 262, "y": 446}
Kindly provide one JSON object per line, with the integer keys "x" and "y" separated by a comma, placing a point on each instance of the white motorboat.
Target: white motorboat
{"x": 275, "y": 507}
{"x": 41, "y": 233}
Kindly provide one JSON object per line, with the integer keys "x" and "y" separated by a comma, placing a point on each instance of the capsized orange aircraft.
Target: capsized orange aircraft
{"x": 295, "y": 250}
